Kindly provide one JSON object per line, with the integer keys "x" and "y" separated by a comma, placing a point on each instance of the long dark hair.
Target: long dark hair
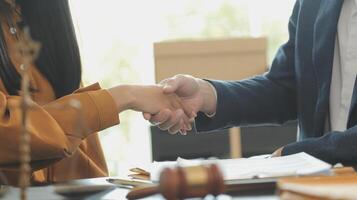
{"x": 51, "y": 24}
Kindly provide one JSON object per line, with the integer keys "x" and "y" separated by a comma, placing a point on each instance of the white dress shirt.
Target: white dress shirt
{"x": 344, "y": 69}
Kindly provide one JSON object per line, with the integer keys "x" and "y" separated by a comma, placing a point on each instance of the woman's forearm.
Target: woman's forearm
{"x": 146, "y": 98}
{"x": 123, "y": 97}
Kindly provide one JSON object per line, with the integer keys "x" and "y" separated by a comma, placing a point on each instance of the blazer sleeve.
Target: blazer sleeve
{"x": 265, "y": 99}
{"x": 334, "y": 147}
{"x": 53, "y": 127}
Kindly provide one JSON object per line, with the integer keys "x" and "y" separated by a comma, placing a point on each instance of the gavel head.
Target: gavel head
{"x": 187, "y": 182}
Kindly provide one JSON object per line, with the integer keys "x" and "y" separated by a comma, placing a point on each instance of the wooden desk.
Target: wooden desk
{"x": 47, "y": 193}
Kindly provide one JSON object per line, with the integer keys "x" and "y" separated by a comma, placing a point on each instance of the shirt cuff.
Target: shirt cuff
{"x": 106, "y": 108}
{"x": 211, "y": 115}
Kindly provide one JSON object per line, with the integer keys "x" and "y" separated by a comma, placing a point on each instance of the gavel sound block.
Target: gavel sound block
{"x": 188, "y": 182}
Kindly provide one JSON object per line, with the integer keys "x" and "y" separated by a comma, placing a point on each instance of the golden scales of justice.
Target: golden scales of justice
{"x": 29, "y": 51}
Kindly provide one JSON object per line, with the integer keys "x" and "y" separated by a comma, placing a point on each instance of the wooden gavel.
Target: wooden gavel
{"x": 184, "y": 182}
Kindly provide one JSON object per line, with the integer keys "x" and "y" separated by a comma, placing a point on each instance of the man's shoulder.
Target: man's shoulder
{"x": 306, "y": 4}
{"x": 309, "y": 2}
{"x": 308, "y": 9}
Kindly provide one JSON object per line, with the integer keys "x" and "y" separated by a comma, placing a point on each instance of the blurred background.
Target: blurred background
{"x": 116, "y": 42}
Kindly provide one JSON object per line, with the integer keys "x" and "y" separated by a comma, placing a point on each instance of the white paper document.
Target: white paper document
{"x": 257, "y": 167}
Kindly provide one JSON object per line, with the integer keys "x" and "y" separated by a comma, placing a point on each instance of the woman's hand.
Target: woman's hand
{"x": 152, "y": 99}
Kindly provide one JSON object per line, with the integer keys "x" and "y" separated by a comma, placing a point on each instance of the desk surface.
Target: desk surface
{"x": 47, "y": 193}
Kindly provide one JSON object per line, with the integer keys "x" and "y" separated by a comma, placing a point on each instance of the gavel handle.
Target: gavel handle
{"x": 141, "y": 192}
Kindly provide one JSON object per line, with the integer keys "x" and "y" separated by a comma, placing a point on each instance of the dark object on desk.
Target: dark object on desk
{"x": 246, "y": 186}
{"x": 83, "y": 187}
{"x": 254, "y": 140}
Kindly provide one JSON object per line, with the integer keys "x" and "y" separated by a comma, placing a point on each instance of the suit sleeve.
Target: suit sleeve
{"x": 334, "y": 147}
{"x": 265, "y": 99}
{"x": 56, "y": 129}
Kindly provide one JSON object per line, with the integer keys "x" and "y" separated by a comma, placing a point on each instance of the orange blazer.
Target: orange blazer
{"x": 58, "y": 151}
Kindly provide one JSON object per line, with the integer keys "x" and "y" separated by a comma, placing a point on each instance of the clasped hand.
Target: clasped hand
{"x": 197, "y": 94}
{"x": 172, "y": 105}
{"x": 153, "y": 100}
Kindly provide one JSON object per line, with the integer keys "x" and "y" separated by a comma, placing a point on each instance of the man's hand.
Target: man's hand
{"x": 196, "y": 93}
{"x": 277, "y": 153}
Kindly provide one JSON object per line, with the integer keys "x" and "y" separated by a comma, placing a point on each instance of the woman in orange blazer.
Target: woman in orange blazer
{"x": 58, "y": 151}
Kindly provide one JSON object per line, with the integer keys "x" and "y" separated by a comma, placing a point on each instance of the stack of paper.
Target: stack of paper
{"x": 259, "y": 167}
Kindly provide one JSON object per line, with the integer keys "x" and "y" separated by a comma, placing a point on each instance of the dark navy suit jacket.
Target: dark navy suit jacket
{"x": 296, "y": 87}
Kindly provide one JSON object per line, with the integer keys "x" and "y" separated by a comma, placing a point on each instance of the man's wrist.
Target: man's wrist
{"x": 209, "y": 97}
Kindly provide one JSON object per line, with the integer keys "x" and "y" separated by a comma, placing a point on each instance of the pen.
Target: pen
{"x": 126, "y": 183}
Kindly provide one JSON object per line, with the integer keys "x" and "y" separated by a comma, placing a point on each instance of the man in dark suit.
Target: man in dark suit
{"x": 312, "y": 79}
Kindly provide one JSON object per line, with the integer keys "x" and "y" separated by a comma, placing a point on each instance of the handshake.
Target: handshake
{"x": 172, "y": 105}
